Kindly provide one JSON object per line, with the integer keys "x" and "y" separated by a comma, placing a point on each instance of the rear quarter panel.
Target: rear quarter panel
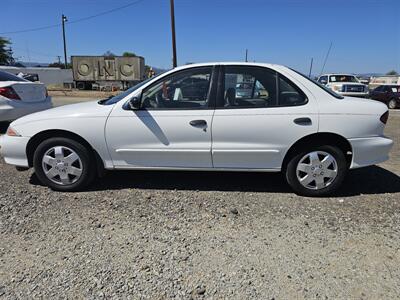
{"x": 352, "y": 117}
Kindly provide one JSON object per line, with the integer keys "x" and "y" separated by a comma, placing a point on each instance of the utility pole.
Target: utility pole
{"x": 174, "y": 59}
{"x": 247, "y": 51}
{"x": 309, "y": 74}
{"x": 63, "y": 20}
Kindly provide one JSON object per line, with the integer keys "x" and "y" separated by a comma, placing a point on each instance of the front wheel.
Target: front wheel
{"x": 63, "y": 164}
{"x": 392, "y": 103}
{"x": 317, "y": 172}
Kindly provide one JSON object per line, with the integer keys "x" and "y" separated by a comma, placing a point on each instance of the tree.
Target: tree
{"x": 60, "y": 65}
{"x": 109, "y": 53}
{"x": 393, "y": 72}
{"x": 6, "y": 57}
{"x": 128, "y": 54}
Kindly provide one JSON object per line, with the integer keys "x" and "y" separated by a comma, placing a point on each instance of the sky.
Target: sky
{"x": 365, "y": 35}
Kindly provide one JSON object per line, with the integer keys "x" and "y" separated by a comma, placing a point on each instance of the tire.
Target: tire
{"x": 74, "y": 172}
{"x": 332, "y": 171}
{"x": 392, "y": 104}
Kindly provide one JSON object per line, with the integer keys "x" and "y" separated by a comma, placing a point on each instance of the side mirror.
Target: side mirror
{"x": 323, "y": 82}
{"x": 134, "y": 103}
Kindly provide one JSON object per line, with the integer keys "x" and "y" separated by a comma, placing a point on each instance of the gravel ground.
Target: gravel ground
{"x": 162, "y": 235}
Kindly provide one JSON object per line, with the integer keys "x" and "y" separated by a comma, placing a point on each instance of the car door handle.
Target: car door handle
{"x": 303, "y": 121}
{"x": 198, "y": 123}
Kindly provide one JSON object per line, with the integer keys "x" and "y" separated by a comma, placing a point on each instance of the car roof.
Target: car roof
{"x": 227, "y": 63}
{"x": 337, "y": 74}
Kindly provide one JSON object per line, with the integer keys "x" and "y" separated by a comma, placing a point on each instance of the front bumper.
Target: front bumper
{"x": 13, "y": 150}
{"x": 370, "y": 151}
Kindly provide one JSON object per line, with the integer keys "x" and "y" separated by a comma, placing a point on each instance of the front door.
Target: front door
{"x": 172, "y": 129}
{"x": 259, "y": 114}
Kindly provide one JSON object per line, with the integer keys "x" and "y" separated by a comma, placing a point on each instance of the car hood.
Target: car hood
{"x": 79, "y": 110}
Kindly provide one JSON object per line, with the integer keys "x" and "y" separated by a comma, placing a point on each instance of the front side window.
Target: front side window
{"x": 180, "y": 90}
{"x": 379, "y": 89}
{"x": 249, "y": 87}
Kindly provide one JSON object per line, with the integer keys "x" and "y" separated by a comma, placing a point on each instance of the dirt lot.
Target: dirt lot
{"x": 162, "y": 235}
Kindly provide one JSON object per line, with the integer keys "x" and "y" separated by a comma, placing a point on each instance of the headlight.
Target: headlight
{"x": 12, "y": 132}
{"x": 336, "y": 88}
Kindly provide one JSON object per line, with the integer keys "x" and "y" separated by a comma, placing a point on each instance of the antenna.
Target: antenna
{"x": 309, "y": 74}
{"x": 326, "y": 58}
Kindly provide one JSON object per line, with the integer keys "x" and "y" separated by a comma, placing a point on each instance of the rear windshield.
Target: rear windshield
{"x": 323, "y": 87}
{"x": 342, "y": 78}
{"x": 4, "y": 76}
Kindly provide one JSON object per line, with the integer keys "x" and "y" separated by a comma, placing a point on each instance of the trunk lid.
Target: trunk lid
{"x": 30, "y": 91}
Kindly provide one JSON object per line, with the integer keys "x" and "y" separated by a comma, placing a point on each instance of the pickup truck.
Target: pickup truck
{"x": 344, "y": 84}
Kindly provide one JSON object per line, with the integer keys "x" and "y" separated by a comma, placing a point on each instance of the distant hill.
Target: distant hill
{"x": 31, "y": 64}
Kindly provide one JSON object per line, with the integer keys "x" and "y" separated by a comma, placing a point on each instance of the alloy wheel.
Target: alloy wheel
{"x": 392, "y": 104}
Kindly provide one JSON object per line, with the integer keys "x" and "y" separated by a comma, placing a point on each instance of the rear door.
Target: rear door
{"x": 255, "y": 131}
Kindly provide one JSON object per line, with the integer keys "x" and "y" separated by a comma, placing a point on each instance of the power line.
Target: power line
{"x": 36, "y": 52}
{"x": 73, "y": 21}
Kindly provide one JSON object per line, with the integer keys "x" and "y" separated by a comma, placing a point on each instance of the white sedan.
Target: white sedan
{"x": 20, "y": 97}
{"x": 190, "y": 118}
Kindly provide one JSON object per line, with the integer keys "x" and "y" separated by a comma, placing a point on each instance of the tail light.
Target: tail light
{"x": 9, "y": 93}
{"x": 384, "y": 118}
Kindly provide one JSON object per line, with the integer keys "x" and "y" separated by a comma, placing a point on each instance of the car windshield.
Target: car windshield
{"x": 119, "y": 97}
{"x": 4, "y": 76}
{"x": 326, "y": 89}
{"x": 342, "y": 78}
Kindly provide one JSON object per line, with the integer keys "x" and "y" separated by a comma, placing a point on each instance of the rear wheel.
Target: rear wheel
{"x": 64, "y": 164}
{"x": 317, "y": 171}
{"x": 392, "y": 104}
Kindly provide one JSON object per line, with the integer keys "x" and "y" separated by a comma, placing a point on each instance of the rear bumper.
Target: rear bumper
{"x": 12, "y": 110}
{"x": 13, "y": 150}
{"x": 370, "y": 151}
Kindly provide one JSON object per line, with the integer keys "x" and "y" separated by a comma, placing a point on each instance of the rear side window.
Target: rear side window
{"x": 289, "y": 94}
{"x": 258, "y": 87}
{"x": 4, "y": 76}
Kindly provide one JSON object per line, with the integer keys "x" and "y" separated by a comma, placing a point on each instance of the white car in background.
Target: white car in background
{"x": 294, "y": 126}
{"x": 20, "y": 97}
{"x": 345, "y": 84}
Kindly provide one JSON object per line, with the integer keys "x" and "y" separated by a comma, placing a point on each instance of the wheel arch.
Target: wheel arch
{"x": 38, "y": 138}
{"x": 320, "y": 139}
